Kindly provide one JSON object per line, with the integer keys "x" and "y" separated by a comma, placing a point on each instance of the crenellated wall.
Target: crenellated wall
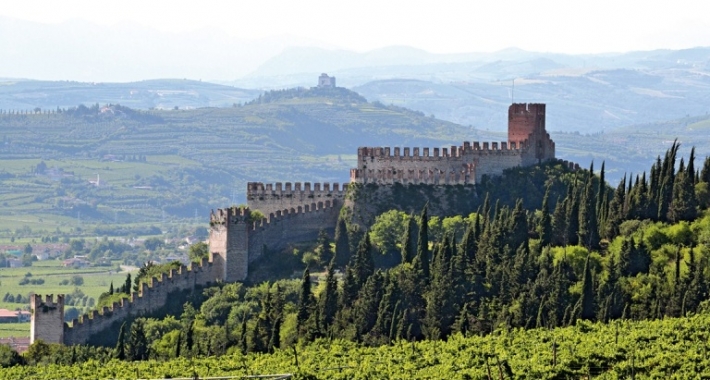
{"x": 235, "y": 240}
{"x": 47, "y": 321}
{"x": 269, "y": 198}
{"x": 293, "y": 225}
{"x": 528, "y": 144}
{"x": 48, "y": 316}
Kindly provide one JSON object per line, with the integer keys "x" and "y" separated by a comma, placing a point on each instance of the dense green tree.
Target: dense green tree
{"x": 328, "y": 300}
{"x": 305, "y": 303}
{"x": 586, "y": 301}
{"x": 323, "y": 249}
{"x": 421, "y": 261}
{"x": 544, "y": 226}
{"x": 588, "y": 229}
{"x": 138, "y": 345}
{"x": 409, "y": 244}
{"x": 615, "y": 213}
{"x": 120, "y": 350}
{"x": 683, "y": 203}
{"x": 363, "y": 263}
{"x": 342, "y": 244}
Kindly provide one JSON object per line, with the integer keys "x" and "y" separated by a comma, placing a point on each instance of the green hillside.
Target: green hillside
{"x": 153, "y": 165}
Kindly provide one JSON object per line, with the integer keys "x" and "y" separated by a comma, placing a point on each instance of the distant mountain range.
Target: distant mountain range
{"x": 586, "y": 93}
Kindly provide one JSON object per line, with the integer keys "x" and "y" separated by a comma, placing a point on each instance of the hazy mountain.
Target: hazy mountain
{"x": 157, "y": 93}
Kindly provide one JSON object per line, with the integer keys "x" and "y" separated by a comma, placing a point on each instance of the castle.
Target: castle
{"x": 297, "y": 212}
{"x": 324, "y": 81}
{"x": 528, "y": 144}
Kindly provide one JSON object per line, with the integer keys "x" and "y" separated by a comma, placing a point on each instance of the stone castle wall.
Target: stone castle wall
{"x": 460, "y": 165}
{"x": 236, "y": 240}
{"x": 293, "y": 225}
{"x": 271, "y": 198}
{"x": 48, "y": 322}
{"x": 528, "y": 144}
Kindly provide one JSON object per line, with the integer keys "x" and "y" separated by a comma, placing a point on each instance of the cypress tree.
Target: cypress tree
{"x": 572, "y": 215}
{"x": 367, "y": 303}
{"x": 110, "y": 288}
{"x": 705, "y": 172}
{"x": 350, "y": 288}
{"x": 683, "y": 204}
{"x": 386, "y": 312}
{"x": 421, "y": 261}
{"x": 517, "y": 226}
{"x": 305, "y": 303}
{"x": 127, "y": 285}
{"x": 120, "y": 351}
{"x": 691, "y": 166}
{"x": 559, "y": 223}
{"x": 587, "y": 300}
{"x": 342, "y": 244}
{"x": 363, "y": 263}
{"x": 138, "y": 345}
{"x": 189, "y": 338}
{"x": 243, "y": 335}
{"x": 615, "y": 211}
{"x": 329, "y": 299}
{"x": 544, "y": 227}
{"x": 325, "y": 252}
{"x": 601, "y": 191}
{"x": 409, "y": 246}
{"x": 588, "y": 227}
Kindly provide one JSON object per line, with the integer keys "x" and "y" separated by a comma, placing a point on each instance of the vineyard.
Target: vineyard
{"x": 674, "y": 348}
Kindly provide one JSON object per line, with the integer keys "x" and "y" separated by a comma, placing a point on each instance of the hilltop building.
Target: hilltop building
{"x": 297, "y": 212}
{"x": 324, "y": 81}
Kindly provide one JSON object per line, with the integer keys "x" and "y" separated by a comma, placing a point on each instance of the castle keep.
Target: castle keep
{"x": 528, "y": 144}
{"x": 297, "y": 212}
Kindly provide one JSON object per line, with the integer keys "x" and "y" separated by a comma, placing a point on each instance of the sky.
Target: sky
{"x": 439, "y": 26}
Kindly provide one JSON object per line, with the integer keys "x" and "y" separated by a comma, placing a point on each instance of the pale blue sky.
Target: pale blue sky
{"x": 437, "y": 26}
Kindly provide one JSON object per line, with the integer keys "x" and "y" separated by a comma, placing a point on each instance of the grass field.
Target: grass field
{"x": 17, "y": 330}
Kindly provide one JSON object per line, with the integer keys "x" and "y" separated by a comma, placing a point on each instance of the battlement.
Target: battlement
{"x": 151, "y": 296}
{"x": 528, "y": 143}
{"x": 225, "y": 215}
{"x": 280, "y": 215}
{"x": 270, "y": 198}
{"x": 47, "y": 318}
{"x": 440, "y": 153}
{"x": 528, "y": 109}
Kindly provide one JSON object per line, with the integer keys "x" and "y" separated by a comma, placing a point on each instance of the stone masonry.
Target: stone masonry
{"x": 528, "y": 144}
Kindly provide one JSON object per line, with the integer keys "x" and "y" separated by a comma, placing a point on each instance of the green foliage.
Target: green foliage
{"x": 198, "y": 251}
{"x": 387, "y": 231}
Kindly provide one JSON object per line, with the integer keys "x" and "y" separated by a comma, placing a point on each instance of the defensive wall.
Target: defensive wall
{"x": 528, "y": 144}
{"x": 48, "y": 314}
{"x": 236, "y": 241}
{"x": 270, "y": 198}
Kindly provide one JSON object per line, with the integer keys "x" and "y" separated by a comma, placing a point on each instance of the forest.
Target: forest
{"x": 507, "y": 291}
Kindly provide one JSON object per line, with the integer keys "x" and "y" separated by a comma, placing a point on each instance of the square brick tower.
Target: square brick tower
{"x": 526, "y": 122}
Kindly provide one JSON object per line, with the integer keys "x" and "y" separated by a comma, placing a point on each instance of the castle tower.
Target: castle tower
{"x": 47, "y": 321}
{"x": 229, "y": 233}
{"x": 526, "y": 122}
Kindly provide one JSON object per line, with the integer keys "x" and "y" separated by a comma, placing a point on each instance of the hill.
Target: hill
{"x": 158, "y": 93}
{"x": 184, "y": 162}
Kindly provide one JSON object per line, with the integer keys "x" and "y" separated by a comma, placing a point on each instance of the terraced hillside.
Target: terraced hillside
{"x": 115, "y": 164}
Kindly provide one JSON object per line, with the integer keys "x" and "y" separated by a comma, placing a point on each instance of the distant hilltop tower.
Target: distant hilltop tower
{"x": 528, "y": 144}
{"x": 324, "y": 81}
